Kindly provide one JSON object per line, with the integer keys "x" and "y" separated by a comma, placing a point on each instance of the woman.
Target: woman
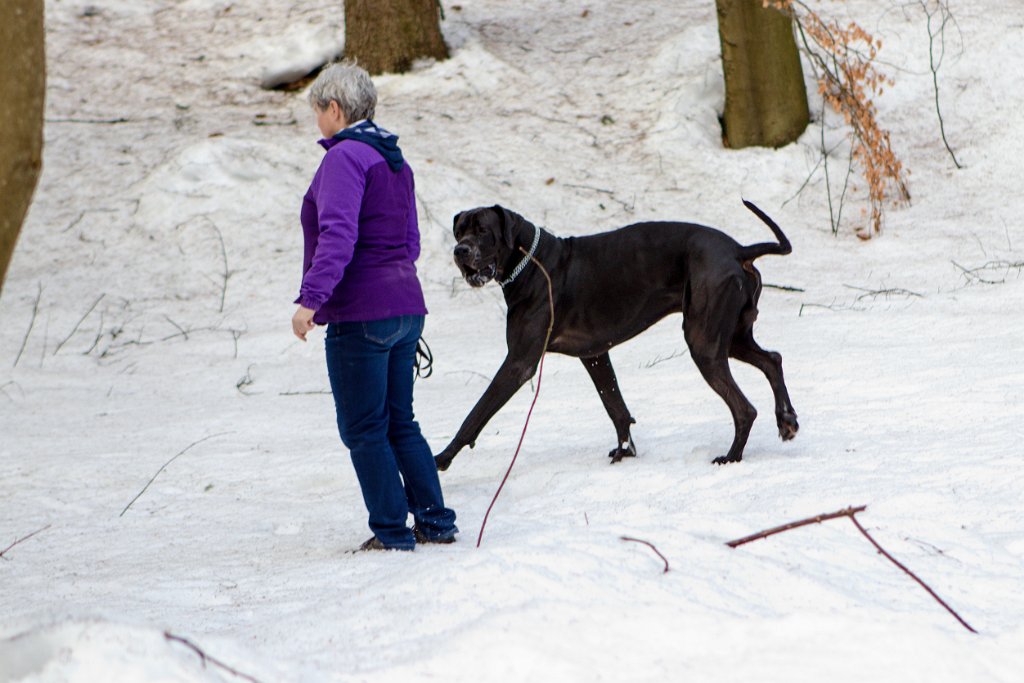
{"x": 359, "y": 279}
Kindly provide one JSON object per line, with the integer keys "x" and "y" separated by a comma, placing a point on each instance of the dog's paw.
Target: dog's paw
{"x": 725, "y": 459}
{"x": 788, "y": 426}
{"x": 626, "y": 450}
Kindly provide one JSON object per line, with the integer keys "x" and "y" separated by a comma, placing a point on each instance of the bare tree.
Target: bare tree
{"x": 389, "y": 35}
{"x": 765, "y": 95}
{"x": 23, "y": 84}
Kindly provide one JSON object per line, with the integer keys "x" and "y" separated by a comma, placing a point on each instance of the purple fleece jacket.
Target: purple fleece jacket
{"x": 361, "y": 238}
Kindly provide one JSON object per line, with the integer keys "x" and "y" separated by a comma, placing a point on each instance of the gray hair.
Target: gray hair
{"x": 350, "y": 86}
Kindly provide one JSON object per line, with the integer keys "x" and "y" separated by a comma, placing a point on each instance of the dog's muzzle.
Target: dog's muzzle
{"x": 467, "y": 258}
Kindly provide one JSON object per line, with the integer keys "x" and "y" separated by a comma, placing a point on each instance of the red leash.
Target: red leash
{"x": 536, "y": 394}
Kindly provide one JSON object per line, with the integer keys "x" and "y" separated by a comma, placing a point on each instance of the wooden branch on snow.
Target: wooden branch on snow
{"x": 204, "y": 658}
{"x": 851, "y": 512}
{"x": 227, "y": 272}
{"x": 23, "y": 539}
{"x": 649, "y": 545}
{"x": 79, "y": 323}
{"x": 817, "y": 519}
{"x": 910, "y": 574}
{"x": 31, "y": 324}
{"x": 107, "y": 122}
{"x": 164, "y": 466}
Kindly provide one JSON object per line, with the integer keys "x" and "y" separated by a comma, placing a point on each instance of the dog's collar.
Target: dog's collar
{"x": 526, "y": 259}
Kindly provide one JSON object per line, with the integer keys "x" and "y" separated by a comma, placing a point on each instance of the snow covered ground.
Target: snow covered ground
{"x": 145, "y": 321}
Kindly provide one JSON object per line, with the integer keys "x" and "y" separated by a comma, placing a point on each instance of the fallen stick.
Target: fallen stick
{"x": 79, "y": 323}
{"x": 24, "y": 538}
{"x": 164, "y": 466}
{"x": 851, "y": 512}
{"x": 649, "y": 545}
{"x": 818, "y": 519}
{"x": 204, "y": 658}
{"x": 31, "y": 324}
{"x": 911, "y": 575}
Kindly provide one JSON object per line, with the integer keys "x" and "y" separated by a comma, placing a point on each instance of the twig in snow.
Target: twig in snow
{"x": 78, "y": 324}
{"x": 893, "y": 291}
{"x": 227, "y": 273}
{"x": 910, "y": 574}
{"x": 236, "y": 335}
{"x": 784, "y": 288}
{"x": 649, "y": 545}
{"x": 828, "y": 307}
{"x": 164, "y": 466}
{"x": 92, "y": 121}
{"x": 817, "y": 519}
{"x": 807, "y": 180}
{"x": 662, "y": 359}
{"x": 204, "y": 658}
{"x": 12, "y": 383}
{"x": 24, "y": 538}
{"x": 247, "y": 380}
{"x": 35, "y": 312}
{"x": 81, "y": 215}
{"x": 973, "y": 276}
{"x": 181, "y": 330}
{"x": 851, "y": 512}
{"x": 945, "y": 16}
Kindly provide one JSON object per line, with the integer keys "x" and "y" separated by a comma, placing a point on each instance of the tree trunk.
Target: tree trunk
{"x": 388, "y": 35}
{"x": 23, "y": 84}
{"x": 765, "y": 96}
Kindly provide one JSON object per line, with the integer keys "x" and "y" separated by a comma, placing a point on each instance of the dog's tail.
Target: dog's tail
{"x": 753, "y": 251}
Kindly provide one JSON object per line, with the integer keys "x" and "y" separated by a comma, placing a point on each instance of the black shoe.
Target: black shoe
{"x": 422, "y": 537}
{"x": 374, "y": 543}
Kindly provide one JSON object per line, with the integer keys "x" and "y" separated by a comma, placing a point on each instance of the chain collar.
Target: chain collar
{"x": 526, "y": 259}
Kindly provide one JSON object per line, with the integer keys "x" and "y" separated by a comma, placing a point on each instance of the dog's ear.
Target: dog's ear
{"x": 455, "y": 221}
{"x": 509, "y": 224}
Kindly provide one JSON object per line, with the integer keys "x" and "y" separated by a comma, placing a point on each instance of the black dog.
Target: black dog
{"x": 610, "y": 287}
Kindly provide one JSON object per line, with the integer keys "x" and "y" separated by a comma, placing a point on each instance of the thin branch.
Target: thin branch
{"x": 181, "y": 330}
{"x": 649, "y": 545}
{"x": 80, "y": 321}
{"x": 910, "y": 574}
{"x": 162, "y": 468}
{"x": 943, "y": 10}
{"x": 784, "y": 288}
{"x": 894, "y": 291}
{"x": 24, "y": 538}
{"x": 35, "y": 312}
{"x": 204, "y": 658}
{"x": 661, "y": 359}
{"x": 224, "y": 255}
{"x": 817, "y": 519}
{"x": 972, "y": 274}
{"x": 851, "y": 512}
{"x": 92, "y": 121}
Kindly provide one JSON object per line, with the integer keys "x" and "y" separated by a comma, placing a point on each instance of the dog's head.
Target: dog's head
{"x": 484, "y": 239}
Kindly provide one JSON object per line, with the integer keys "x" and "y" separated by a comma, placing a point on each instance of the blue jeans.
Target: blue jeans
{"x": 370, "y": 365}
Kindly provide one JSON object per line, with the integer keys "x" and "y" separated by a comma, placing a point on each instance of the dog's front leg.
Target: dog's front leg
{"x": 513, "y": 373}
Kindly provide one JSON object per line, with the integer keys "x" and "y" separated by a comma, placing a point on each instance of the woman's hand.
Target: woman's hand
{"x": 302, "y": 322}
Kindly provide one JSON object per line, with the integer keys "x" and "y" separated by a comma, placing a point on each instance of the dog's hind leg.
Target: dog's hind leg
{"x": 715, "y": 370}
{"x": 709, "y": 324}
{"x": 745, "y": 349}
{"x": 603, "y": 376}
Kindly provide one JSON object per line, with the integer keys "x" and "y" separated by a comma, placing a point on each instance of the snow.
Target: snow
{"x": 144, "y": 335}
